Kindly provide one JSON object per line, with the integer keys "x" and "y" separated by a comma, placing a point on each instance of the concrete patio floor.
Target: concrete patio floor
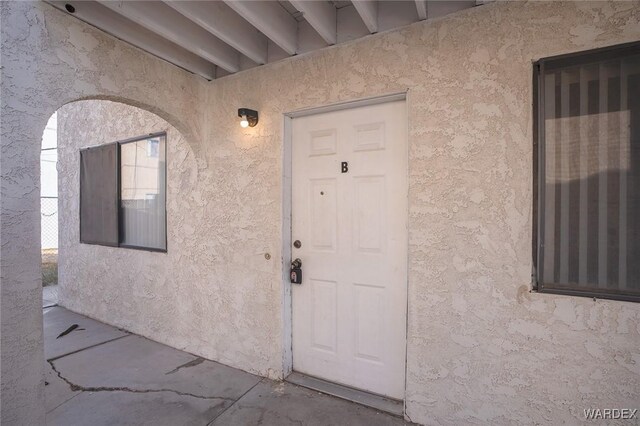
{"x": 100, "y": 375}
{"x": 49, "y": 296}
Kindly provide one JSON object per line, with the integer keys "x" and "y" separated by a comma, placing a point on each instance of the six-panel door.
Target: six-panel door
{"x": 350, "y": 214}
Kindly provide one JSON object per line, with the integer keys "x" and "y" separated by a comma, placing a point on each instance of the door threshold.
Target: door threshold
{"x": 381, "y": 403}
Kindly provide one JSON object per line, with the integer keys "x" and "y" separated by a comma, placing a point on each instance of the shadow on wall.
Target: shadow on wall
{"x": 592, "y": 172}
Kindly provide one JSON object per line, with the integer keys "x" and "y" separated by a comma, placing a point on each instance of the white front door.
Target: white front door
{"x": 349, "y": 213}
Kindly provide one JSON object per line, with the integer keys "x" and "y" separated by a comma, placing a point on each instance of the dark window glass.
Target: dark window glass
{"x": 589, "y": 173}
{"x": 99, "y": 195}
{"x": 123, "y": 194}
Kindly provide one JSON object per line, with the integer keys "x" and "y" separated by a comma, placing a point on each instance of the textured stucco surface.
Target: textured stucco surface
{"x": 50, "y": 59}
{"x": 190, "y": 297}
{"x": 481, "y": 348}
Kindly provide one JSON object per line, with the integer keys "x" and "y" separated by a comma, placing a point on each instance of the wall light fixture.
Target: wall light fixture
{"x": 249, "y": 117}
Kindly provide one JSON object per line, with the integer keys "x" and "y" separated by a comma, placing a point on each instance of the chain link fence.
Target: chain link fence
{"x": 49, "y": 222}
{"x": 49, "y": 202}
{"x": 49, "y": 239}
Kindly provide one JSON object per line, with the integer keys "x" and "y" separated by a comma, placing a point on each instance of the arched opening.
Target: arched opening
{"x": 188, "y": 130}
{"x": 49, "y": 211}
{"x": 52, "y": 60}
{"x": 155, "y": 171}
{"x": 126, "y": 119}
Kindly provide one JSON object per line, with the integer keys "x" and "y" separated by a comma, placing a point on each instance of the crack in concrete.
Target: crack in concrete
{"x": 76, "y": 387}
{"x": 55, "y": 358}
{"x": 234, "y": 403}
{"x": 191, "y": 363}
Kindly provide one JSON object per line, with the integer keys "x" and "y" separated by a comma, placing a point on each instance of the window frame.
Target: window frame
{"x": 539, "y": 67}
{"x": 118, "y": 200}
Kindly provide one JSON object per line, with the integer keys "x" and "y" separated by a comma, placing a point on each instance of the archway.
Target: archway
{"x": 97, "y": 279}
{"x": 49, "y": 211}
{"x": 50, "y": 59}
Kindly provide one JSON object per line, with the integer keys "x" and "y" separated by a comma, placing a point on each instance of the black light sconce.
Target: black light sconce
{"x": 249, "y": 117}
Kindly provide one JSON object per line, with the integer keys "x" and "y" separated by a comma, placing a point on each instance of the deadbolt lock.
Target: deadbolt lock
{"x": 295, "y": 273}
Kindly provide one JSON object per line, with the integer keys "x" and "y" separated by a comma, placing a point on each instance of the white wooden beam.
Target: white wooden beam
{"x": 221, "y": 21}
{"x": 421, "y": 6}
{"x": 164, "y": 21}
{"x": 368, "y": 11}
{"x": 271, "y": 19}
{"x": 118, "y": 26}
{"x": 321, "y": 15}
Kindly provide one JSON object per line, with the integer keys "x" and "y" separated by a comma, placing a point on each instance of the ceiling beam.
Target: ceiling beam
{"x": 421, "y": 6}
{"x": 120, "y": 27}
{"x": 164, "y": 21}
{"x": 321, "y": 15}
{"x": 368, "y": 11}
{"x": 221, "y": 21}
{"x": 271, "y": 19}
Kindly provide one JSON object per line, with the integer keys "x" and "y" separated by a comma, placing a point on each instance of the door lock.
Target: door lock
{"x": 295, "y": 273}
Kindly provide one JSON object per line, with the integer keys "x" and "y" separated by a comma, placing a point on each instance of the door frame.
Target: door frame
{"x": 287, "y": 207}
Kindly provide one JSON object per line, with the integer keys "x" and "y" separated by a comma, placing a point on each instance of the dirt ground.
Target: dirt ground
{"x": 49, "y": 267}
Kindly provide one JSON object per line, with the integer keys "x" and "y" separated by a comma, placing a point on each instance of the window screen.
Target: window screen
{"x": 99, "y": 195}
{"x": 142, "y": 193}
{"x": 123, "y": 194}
{"x": 589, "y": 173}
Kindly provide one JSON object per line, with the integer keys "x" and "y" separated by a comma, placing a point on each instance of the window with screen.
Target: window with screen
{"x": 123, "y": 194}
{"x": 99, "y": 195}
{"x": 588, "y": 173}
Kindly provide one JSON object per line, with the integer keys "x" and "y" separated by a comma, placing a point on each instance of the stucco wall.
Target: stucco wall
{"x": 481, "y": 348}
{"x": 190, "y": 297}
{"x": 160, "y": 295}
{"x": 50, "y": 59}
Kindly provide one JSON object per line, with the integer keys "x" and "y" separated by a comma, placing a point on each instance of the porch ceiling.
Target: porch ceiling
{"x": 218, "y": 38}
